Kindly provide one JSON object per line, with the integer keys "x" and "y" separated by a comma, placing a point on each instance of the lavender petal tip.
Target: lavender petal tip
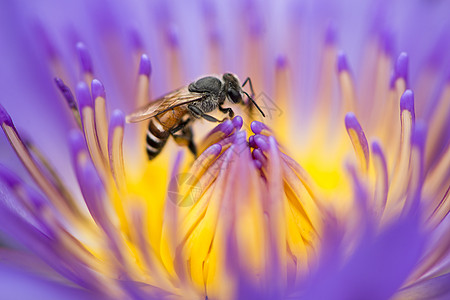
{"x": 145, "y": 67}
{"x": 172, "y": 36}
{"x": 97, "y": 88}
{"x": 76, "y": 141}
{"x": 258, "y": 164}
{"x": 351, "y": 122}
{"x": 376, "y": 148}
{"x": 67, "y": 93}
{"x": 281, "y": 61}
{"x": 251, "y": 141}
{"x": 258, "y": 127}
{"x": 59, "y": 83}
{"x": 117, "y": 119}
{"x": 261, "y": 142}
{"x": 83, "y": 95}
{"x": 214, "y": 149}
{"x": 237, "y": 122}
{"x": 135, "y": 39}
{"x": 387, "y": 42}
{"x": 5, "y": 118}
{"x": 330, "y": 34}
{"x": 257, "y": 154}
{"x": 85, "y": 58}
{"x": 342, "y": 63}
{"x": 225, "y": 127}
{"x": 401, "y": 66}
{"x": 407, "y": 102}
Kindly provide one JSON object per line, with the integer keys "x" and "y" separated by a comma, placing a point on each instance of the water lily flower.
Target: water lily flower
{"x": 340, "y": 192}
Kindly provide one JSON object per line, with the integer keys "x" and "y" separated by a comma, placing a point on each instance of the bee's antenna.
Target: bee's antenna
{"x": 253, "y": 101}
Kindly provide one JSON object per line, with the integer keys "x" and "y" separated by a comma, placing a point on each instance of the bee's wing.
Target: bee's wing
{"x": 163, "y": 104}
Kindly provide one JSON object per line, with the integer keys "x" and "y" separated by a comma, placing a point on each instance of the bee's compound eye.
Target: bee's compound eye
{"x": 234, "y": 95}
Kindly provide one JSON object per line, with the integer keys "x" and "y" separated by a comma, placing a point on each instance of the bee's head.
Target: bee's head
{"x": 232, "y": 87}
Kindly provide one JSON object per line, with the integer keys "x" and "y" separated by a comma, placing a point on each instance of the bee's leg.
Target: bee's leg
{"x": 180, "y": 126}
{"x": 249, "y": 105}
{"x": 228, "y": 111}
{"x": 198, "y": 113}
{"x": 186, "y": 138}
{"x": 251, "y": 86}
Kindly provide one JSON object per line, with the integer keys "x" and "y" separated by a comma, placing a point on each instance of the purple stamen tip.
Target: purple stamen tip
{"x": 215, "y": 36}
{"x": 281, "y": 61}
{"x": 376, "y": 148}
{"x": 237, "y": 122}
{"x": 83, "y": 95}
{"x": 42, "y": 33}
{"x": 172, "y": 36}
{"x": 76, "y": 142}
{"x": 342, "y": 63}
{"x": 258, "y": 155}
{"x": 261, "y": 142}
{"x": 5, "y": 118}
{"x": 392, "y": 80}
{"x": 117, "y": 119}
{"x": 67, "y": 93}
{"x": 251, "y": 141}
{"x": 401, "y": 66}
{"x": 351, "y": 122}
{"x": 85, "y": 58}
{"x": 97, "y": 88}
{"x": 387, "y": 42}
{"x": 258, "y": 127}
{"x": 214, "y": 149}
{"x": 225, "y": 127}
{"x": 135, "y": 39}
{"x": 330, "y": 35}
{"x": 419, "y": 134}
{"x": 145, "y": 67}
{"x": 258, "y": 164}
{"x": 407, "y": 102}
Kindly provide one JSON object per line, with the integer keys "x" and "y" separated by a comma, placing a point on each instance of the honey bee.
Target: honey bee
{"x": 174, "y": 113}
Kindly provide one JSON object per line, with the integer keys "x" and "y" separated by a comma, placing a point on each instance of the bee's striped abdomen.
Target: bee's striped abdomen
{"x": 156, "y": 138}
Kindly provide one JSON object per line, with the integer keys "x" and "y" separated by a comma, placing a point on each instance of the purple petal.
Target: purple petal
{"x": 18, "y": 284}
{"x": 377, "y": 268}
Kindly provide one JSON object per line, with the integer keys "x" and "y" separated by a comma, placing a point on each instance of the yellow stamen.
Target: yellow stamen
{"x": 381, "y": 184}
{"x": 41, "y": 180}
{"x": 437, "y": 126}
{"x": 400, "y": 178}
{"x": 348, "y": 94}
{"x": 359, "y": 150}
{"x": 116, "y": 158}
{"x": 87, "y": 115}
{"x": 101, "y": 125}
